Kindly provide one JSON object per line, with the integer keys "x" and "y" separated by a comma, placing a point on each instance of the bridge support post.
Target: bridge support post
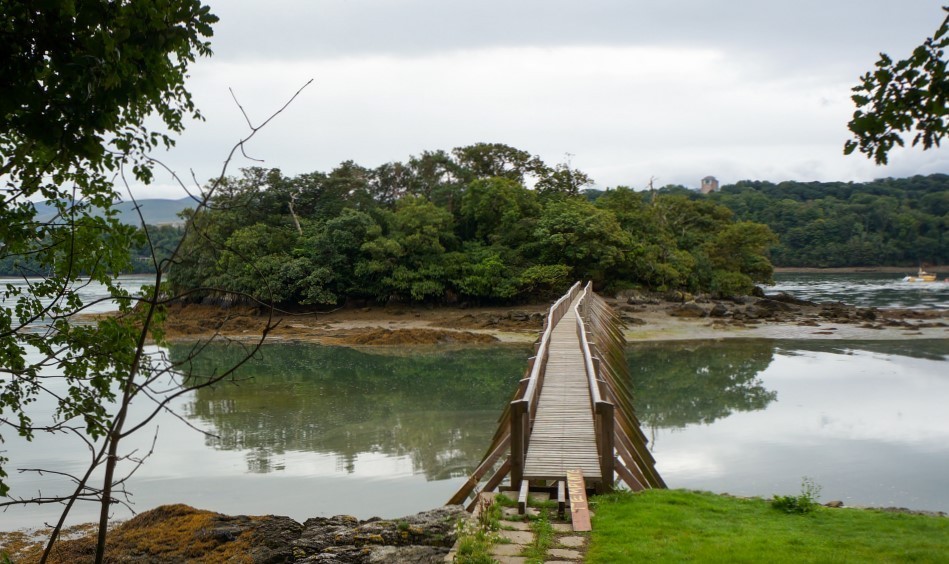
{"x": 519, "y": 430}
{"x": 604, "y": 443}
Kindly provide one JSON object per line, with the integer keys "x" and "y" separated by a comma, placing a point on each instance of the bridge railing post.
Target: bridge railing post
{"x": 604, "y": 443}
{"x": 520, "y": 428}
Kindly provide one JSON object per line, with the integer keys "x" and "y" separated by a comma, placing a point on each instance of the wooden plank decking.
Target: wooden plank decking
{"x": 563, "y": 436}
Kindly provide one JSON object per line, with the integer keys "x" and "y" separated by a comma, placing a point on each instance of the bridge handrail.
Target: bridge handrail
{"x": 554, "y": 315}
{"x": 587, "y": 355}
{"x": 602, "y": 409}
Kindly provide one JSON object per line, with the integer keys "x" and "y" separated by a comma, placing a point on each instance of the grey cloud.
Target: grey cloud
{"x": 790, "y": 31}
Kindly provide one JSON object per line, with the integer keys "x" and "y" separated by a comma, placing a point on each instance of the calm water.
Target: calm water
{"x": 865, "y": 289}
{"x": 306, "y": 430}
{"x": 866, "y": 421}
{"x": 314, "y": 430}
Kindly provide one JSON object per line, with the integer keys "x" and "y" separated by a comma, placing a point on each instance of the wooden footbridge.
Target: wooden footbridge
{"x": 572, "y": 415}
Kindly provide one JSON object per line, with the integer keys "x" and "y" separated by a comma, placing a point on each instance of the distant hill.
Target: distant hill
{"x": 155, "y": 211}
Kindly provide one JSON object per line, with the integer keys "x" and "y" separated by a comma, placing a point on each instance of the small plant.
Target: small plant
{"x": 536, "y": 552}
{"x": 807, "y": 502}
{"x": 476, "y": 537}
{"x": 474, "y": 550}
{"x": 504, "y": 501}
{"x": 489, "y": 519}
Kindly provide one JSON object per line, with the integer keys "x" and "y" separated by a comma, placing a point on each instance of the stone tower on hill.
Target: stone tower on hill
{"x": 709, "y": 184}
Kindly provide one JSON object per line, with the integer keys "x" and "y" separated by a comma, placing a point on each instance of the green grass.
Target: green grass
{"x": 677, "y": 526}
{"x": 536, "y": 552}
{"x": 475, "y": 540}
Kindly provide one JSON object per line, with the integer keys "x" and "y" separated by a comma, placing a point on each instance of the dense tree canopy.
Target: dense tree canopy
{"x": 459, "y": 227}
{"x": 888, "y": 222}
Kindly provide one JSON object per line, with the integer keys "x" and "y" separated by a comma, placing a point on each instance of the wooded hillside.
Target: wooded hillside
{"x": 459, "y": 226}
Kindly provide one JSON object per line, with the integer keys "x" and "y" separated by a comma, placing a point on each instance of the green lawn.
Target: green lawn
{"x": 682, "y": 526}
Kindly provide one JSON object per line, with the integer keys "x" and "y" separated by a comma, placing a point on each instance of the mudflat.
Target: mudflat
{"x": 646, "y": 317}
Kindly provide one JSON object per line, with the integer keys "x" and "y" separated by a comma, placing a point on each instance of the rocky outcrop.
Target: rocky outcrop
{"x": 690, "y": 309}
{"x": 179, "y": 533}
{"x": 780, "y": 307}
{"x": 425, "y": 537}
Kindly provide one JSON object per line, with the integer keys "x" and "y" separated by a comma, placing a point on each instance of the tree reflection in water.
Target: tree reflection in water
{"x": 684, "y": 382}
{"x": 438, "y": 407}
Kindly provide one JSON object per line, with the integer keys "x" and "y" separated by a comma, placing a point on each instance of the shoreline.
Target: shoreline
{"x": 647, "y": 318}
{"x": 907, "y": 270}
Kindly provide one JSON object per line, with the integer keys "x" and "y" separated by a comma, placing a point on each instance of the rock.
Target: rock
{"x": 788, "y": 299}
{"x": 677, "y": 296}
{"x": 752, "y": 312}
{"x": 538, "y": 317}
{"x": 773, "y": 305}
{"x": 757, "y": 292}
{"x": 344, "y": 538}
{"x": 179, "y": 533}
{"x": 835, "y": 503}
{"x": 517, "y": 315}
{"x": 407, "y": 554}
{"x": 640, "y": 299}
{"x": 687, "y": 310}
{"x": 718, "y": 310}
{"x": 630, "y": 320}
{"x": 869, "y": 314}
{"x": 630, "y": 296}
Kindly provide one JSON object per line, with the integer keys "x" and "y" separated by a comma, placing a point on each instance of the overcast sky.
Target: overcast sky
{"x": 625, "y": 90}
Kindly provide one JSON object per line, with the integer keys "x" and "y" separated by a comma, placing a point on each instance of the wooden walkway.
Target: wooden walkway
{"x": 563, "y": 436}
{"x": 571, "y": 423}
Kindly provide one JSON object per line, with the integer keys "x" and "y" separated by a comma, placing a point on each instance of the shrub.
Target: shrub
{"x": 800, "y": 504}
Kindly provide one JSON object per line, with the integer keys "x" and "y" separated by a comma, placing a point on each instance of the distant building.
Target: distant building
{"x": 709, "y": 184}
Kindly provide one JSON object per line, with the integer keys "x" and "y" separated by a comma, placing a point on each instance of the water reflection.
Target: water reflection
{"x": 698, "y": 382}
{"x": 926, "y": 349}
{"x": 439, "y": 408}
{"x": 865, "y": 420}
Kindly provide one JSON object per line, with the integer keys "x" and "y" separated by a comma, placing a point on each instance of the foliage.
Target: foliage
{"x": 79, "y": 81}
{"x": 676, "y": 525}
{"x": 901, "y": 97}
{"x": 458, "y": 227}
{"x": 886, "y": 222}
{"x": 476, "y": 538}
{"x": 806, "y": 502}
{"x": 84, "y": 83}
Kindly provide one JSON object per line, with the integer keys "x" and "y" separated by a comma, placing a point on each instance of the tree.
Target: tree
{"x": 486, "y": 160}
{"x": 410, "y": 260}
{"x": 901, "y": 97}
{"x": 79, "y": 82}
{"x": 737, "y": 257}
{"x": 499, "y": 210}
{"x": 80, "y": 79}
{"x": 575, "y": 233}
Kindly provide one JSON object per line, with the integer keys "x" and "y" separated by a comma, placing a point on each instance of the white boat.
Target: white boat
{"x": 921, "y": 276}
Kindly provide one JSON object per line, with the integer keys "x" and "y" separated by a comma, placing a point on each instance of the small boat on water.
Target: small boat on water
{"x": 921, "y": 276}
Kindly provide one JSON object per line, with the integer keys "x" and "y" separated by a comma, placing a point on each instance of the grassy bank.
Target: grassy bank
{"x": 676, "y": 525}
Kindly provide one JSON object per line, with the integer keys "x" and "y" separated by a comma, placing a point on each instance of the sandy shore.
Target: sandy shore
{"x": 646, "y": 320}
